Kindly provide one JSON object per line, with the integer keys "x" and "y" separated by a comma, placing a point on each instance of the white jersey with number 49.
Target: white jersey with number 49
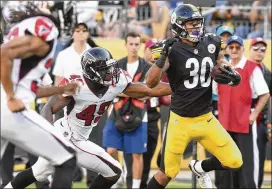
{"x": 86, "y": 109}
{"x": 27, "y": 73}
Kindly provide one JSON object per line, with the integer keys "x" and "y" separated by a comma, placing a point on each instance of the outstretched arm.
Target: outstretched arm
{"x": 140, "y": 90}
{"x": 154, "y": 74}
{"x": 68, "y": 89}
{"x": 54, "y": 104}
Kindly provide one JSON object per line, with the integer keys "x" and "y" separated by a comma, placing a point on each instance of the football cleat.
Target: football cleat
{"x": 203, "y": 178}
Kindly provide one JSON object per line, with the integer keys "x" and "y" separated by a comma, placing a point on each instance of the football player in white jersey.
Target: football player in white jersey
{"x": 102, "y": 82}
{"x": 25, "y": 58}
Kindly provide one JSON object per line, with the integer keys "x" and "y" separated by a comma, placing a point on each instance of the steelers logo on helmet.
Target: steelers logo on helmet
{"x": 187, "y": 22}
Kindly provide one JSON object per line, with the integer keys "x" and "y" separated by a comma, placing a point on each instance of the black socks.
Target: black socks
{"x": 212, "y": 164}
{"x": 23, "y": 179}
{"x": 102, "y": 182}
{"x": 153, "y": 184}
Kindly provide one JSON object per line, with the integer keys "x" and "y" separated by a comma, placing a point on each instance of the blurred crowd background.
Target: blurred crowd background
{"x": 113, "y": 19}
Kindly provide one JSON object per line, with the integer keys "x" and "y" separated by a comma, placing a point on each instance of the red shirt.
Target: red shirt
{"x": 234, "y": 103}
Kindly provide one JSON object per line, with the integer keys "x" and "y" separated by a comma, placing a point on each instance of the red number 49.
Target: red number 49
{"x": 88, "y": 113}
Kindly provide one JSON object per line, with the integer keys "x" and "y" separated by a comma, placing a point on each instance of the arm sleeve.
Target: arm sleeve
{"x": 259, "y": 83}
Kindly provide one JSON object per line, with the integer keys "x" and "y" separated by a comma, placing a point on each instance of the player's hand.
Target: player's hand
{"x": 252, "y": 117}
{"x": 72, "y": 88}
{"x": 230, "y": 74}
{"x": 15, "y": 105}
{"x": 167, "y": 44}
{"x": 269, "y": 132}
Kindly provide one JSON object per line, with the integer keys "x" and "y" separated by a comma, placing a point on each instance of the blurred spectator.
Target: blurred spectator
{"x": 129, "y": 141}
{"x": 86, "y": 12}
{"x": 44, "y": 6}
{"x": 259, "y": 15}
{"x": 238, "y": 111}
{"x": 234, "y": 17}
{"x": 257, "y": 53}
{"x": 220, "y": 14}
{"x": 65, "y": 12}
{"x": 153, "y": 130}
{"x": 147, "y": 50}
{"x": 68, "y": 60}
{"x": 110, "y": 23}
{"x": 146, "y": 13}
{"x": 224, "y": 32}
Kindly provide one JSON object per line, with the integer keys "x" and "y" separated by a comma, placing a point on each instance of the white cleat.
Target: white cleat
{"x": 203, "y": 178}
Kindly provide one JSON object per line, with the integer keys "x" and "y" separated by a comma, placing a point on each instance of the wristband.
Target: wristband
{"x": 161, "y": 61}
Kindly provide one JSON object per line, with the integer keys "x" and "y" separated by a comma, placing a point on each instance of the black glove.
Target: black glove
{"x": 164, "y": 46}
{"x": 227, "y": 75}
{"x": 167, "y": 44}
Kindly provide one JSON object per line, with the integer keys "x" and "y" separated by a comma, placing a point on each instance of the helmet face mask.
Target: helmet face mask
{"x": 184, "y": 16}
{"x": 99, "y": 67}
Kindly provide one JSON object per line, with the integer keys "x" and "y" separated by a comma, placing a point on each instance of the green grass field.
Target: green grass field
{"x": 172, "y": 184}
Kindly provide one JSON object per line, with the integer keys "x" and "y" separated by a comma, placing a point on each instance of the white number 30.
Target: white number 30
{"x": 194, "y": 73}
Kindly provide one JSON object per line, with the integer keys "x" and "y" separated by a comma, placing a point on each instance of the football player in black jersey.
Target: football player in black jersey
{"x": 188, "y": 60}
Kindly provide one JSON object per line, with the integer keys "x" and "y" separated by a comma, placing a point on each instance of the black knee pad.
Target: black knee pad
{"x": 102, "y": 182}
{"x": 71, "y": 163}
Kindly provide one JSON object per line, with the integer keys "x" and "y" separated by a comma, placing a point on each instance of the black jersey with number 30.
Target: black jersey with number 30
{"x": 189, "y": 75}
